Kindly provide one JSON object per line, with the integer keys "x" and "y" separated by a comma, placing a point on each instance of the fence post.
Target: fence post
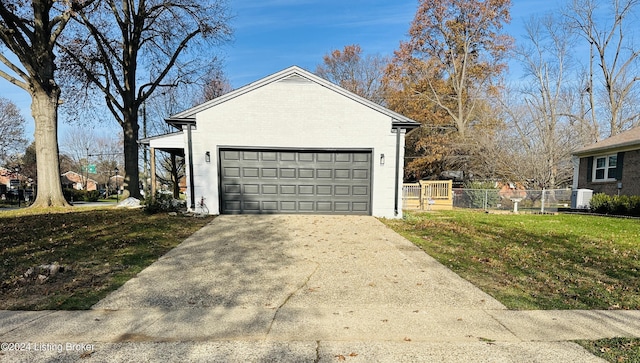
{"x": 542, "y": 199}
{"x": 486, "y": 199}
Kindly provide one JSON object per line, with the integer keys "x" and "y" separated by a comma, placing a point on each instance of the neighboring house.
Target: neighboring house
{"x": 511, "y": 190}
{"x": 610, "y": 166}
{"x": 290, "y": 143}
{"x": 73, "y": 180}
{"x": 9, "y": 180}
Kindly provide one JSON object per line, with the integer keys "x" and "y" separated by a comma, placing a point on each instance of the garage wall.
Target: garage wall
{"x": 295, "y": 113}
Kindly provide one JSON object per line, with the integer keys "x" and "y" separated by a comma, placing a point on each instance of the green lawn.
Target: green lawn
{"x": 536, "y": 261}
{"x": 99, "y": 249}
{"x": 540, "y": 261}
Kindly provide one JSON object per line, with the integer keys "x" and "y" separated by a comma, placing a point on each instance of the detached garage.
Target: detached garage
{"x": 291, "y": 143}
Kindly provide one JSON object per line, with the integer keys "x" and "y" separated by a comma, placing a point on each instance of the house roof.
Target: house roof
{"x": 627, "y": 140}
{"x": 188, "y": 116}
{"x": 74, "y": 177}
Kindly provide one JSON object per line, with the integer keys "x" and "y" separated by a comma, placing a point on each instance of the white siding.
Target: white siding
{"x": 298, "y": 115}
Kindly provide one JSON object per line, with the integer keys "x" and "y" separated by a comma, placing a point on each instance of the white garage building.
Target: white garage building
{"x": 291, "y": 143}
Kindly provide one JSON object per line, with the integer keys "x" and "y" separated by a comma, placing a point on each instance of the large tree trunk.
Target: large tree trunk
{"x": 131, "y": 177}
{"x": 44, "y": 108}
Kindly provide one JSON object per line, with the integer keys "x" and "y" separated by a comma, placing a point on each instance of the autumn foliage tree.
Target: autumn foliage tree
{"x": 355, "y": 72}
{"x": 444, "y": 74}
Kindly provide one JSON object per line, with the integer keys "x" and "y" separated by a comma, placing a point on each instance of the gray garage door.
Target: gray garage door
{"x": 284, "y": 181}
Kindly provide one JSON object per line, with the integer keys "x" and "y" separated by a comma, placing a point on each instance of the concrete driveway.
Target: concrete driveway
{"x": 307, "y": 288}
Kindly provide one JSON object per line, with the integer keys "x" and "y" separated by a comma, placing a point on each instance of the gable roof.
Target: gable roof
{"x": 293, "y": 73}
{"x": 629, "y": 139}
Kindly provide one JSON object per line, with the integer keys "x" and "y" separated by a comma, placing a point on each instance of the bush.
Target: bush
{"x": 620, "y": 204}
{"x": 164, "y": 203}
{"x": 634, "y": 205}
{"x": 617, "y": 204}
{"x": 600, "y": 203}
{"x": 73, "y": 195}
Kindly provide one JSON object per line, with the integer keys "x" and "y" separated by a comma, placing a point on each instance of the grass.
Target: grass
{"x": 540, "y": 261}
{"x": 100, "y": 249}
{"x": 625, "y": 350}
{"x": 532, "y": 262}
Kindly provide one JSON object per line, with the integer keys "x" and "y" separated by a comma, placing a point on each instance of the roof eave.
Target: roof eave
{"x": 627, "y": 146}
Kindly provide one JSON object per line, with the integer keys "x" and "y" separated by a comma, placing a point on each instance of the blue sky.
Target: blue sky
{"x": 270, "y": 35}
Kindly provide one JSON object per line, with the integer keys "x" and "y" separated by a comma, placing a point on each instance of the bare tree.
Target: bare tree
{"x": 613, "y": 60}
{"x": 30, "y": 33}
{"x": 354, "y": 72}
{"x": 540, "y": 109}
{"x": 129, "y": 49}
{"x": 215, "y": 85}
{"x": 11, "y": 129}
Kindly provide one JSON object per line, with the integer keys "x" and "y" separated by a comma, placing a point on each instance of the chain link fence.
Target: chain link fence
{"x": 533, "y": 201}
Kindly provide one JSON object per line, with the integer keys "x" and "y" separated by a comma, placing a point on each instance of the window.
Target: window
{"x": 604, "y": 167}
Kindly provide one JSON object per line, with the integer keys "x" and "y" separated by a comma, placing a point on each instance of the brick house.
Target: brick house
{"x": 610, "y": 166}
{"x": 73, "y": 180}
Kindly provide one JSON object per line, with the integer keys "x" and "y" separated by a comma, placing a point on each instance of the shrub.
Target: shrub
{"x": 620, "y": 205}
{"x": 617, "y": 204}
{"x": 634, "y": 205}
{"x": 163, "y": 203}
{"x": 600, "y": 203}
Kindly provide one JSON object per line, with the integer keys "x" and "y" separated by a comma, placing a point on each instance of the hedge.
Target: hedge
{"x": 617, "y": 204}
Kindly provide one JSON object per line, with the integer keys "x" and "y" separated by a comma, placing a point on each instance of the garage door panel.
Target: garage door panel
{"x": 305, "y": 173}
{"x": 360, "y": 190}
{"x": 250, "y": 155}
{"x": 288, "y": 206}
{"x": 360, "y": 206}
{"x": 269, "y": 189}
{"x": 306, "y": 206}
{"x": 342, "y": 206}
{"x": 323, "y": 206}
{"x": 251, "y": 205}
{"x": 360, "y": 174}
{"x": 361, "y": 158}
{"x": 306, "y": 189}
{"x": 250, "y": 172}
{"x": 270, "y": 205}
{"x": 290, "y": 181}
{"x": 231, "y": 155}
{"x": 233, "y": 205}
{"x": 305, "y": 157}
{"x": 231, "y": 172}
{"x": 287, "y": 189}
{"x": 251, "y": 189}
{"x": 288, "y": 173}
{"x": 324, "y": 190}
{"x": 270, "y": 173}
{"x": 232, "y": 188}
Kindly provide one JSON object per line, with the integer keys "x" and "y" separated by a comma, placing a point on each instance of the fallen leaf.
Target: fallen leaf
{"x": 341, "y": 357}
